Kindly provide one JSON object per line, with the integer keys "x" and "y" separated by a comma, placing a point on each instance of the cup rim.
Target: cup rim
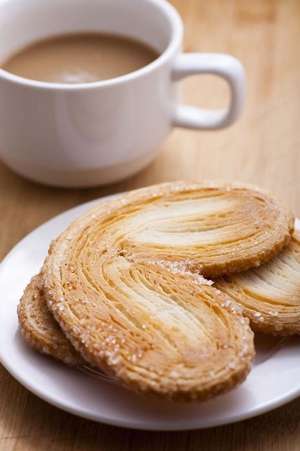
{"x": 175, "y": 40}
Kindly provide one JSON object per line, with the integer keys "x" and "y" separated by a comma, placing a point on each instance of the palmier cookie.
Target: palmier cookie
{"x": 270, "y": 295}
{"x": 39, "y": 328}
{"x": 210, "y": 229}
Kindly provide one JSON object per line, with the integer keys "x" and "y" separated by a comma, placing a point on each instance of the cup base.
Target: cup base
{"x": 84, "y": 178}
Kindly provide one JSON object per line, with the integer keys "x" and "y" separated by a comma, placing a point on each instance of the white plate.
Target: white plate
{"x": 274, "y": 380}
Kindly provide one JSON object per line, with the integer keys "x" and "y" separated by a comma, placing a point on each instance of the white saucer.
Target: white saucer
{"x": 274, "y": 380}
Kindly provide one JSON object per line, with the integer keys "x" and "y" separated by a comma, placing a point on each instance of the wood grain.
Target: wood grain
{"x": 262, "y": 148}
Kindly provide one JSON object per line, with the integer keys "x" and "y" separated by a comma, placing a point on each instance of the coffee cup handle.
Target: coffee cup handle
{"x": 226, "y": 67}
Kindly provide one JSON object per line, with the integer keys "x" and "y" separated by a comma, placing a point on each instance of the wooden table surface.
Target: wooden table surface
{"x": 262, "y": 148}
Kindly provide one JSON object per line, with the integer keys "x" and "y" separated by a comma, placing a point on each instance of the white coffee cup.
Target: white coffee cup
{"x": 96, "y": 133}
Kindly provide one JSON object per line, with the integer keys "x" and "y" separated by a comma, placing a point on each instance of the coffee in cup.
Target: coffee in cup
{"x": 80, "y": 58}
